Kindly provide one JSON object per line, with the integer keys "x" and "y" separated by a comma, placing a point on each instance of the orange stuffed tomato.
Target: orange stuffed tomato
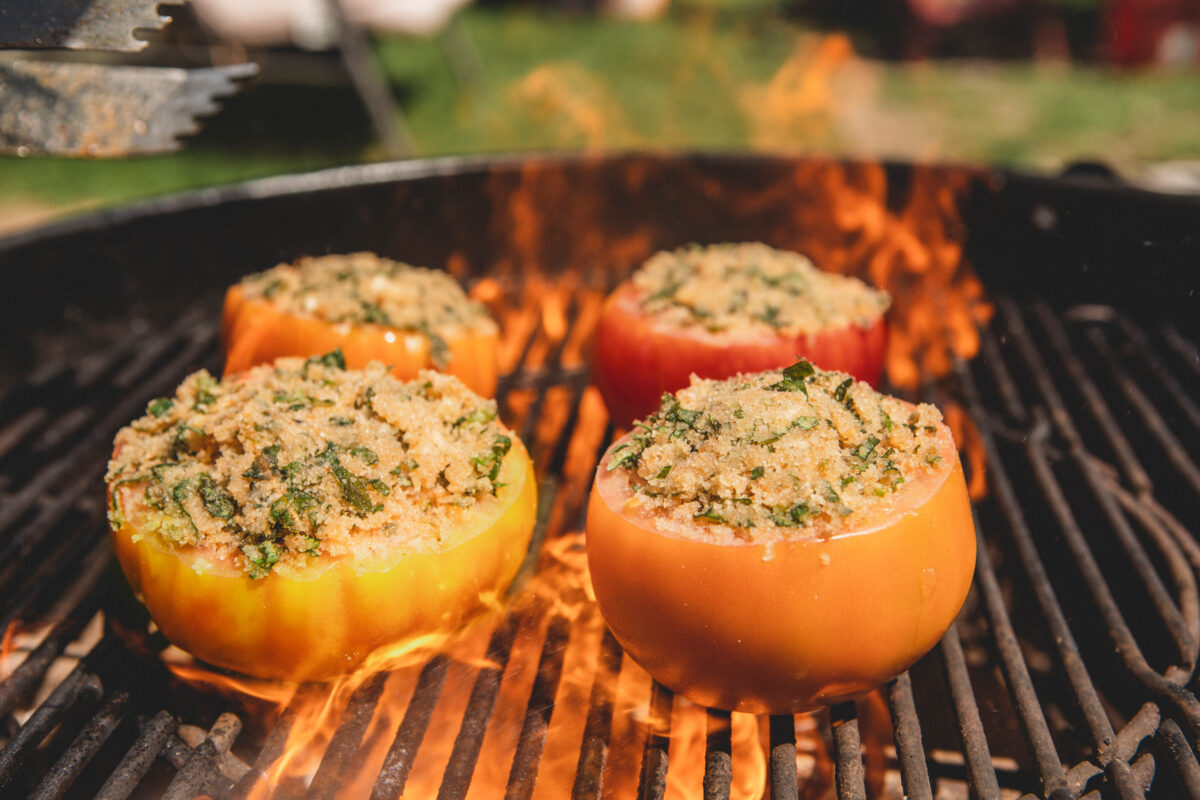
{"x": 372, "y": 308}
{"x": 291, "y": 520}
{"x": 724, "y": 309}
{"x": 754, "y": 549}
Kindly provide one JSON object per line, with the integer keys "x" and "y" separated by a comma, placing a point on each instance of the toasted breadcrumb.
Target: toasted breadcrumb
{"x": 774, "y": 455}
{"x": 286, "y": 462}
{"x": 751, "y": 287}
{"x": 362, "y": 288}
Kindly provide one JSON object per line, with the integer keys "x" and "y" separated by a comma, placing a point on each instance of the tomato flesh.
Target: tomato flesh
{"x": 638, "y": 358}
{"x": 257, "y": 332}
{"x": 324, "y": 620}
{"x": 788, "y": 628}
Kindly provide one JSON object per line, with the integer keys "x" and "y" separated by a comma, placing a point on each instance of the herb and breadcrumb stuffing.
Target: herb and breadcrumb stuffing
{"x": 283, "y": 463}
{"x": 775, "y": 455}
{"x": 363, "y": 288}
{"x": 752, "y": 287}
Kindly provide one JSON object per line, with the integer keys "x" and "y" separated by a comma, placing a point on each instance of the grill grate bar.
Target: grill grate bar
{"x": 1158, "y": 427}
{"x": 994, "y": 359}
{"x": 91, "y": 448}
{"x": 785, "y": 781}
{"x": 980, "y": 771}
{"x": 457, "y": 777}
{"x": 79, "y": 685}
{"x": 1126, "y": 647}
{"x": 652, "y": 781}
{"x": 718, "y": 755}
{"x": 1187, "y": 351}
{"x": 847, "y": 746}
{"x": 125, "y": 408}
{"x": 538, "y": 711}
{"x": 138, "y": 759}
{"x": 400, "y": 756}
{"x": 1156, "y": 366}
{"x": 1070, "y": 657}
{"x": 1016, "y": 673}
{"x": 198, "y": 774}
{"x": 1094, "y": 577}
{"x": 73, "y": 760}
{"x": 26, "y": 677}
{"x": 86, "y": 556}
{"x": 1182, "y": 757}
{"x": 1096, "y": 405}
{"x": 200, "y": 766}
{"x": 14, "y": 432}
{"x": 910, "y": 749}
{"x": 593, "y": 752}
{"x": 347, "y": 738}
{"x": 1124, "y": 748}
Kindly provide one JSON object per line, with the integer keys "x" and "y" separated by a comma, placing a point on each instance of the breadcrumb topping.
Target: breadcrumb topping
{"x": 752, "y": 287}
{"x": 362, "y": 288}
{"x": 762, "y": 457}
{"x": 303, "y": 458}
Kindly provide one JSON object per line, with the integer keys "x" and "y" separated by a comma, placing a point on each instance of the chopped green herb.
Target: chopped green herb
{"x": 864, "y": 450}
{"x": 334, "y": 359}
{"x": 263, "y": 556}
{"x": 217, "y": 502}
{"x": 756, "y": 473}
{"x": 439, "y": 349}
{"x": 366, "y": 454}
{"x": 375, "y": 315}
{"x": 205, "y": 396}
{"x": 839, "y": 393}
{"x": 354, "y": 488}
{"x": 711, "y": 514}
{"x": 160, "y": 407}
{"x": 488, "y": 463}
{"x": 664, "y": 472}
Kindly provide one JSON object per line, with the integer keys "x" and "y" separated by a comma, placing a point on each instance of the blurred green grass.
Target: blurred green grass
{"x": 712, "y": 74}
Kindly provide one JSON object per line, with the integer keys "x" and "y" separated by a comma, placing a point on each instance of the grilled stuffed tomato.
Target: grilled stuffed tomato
{"x": 370, "y": 308}
{"x": 716, "y": 311}
{"x": 290, "y": 520}
{"x": 780, "y": 541}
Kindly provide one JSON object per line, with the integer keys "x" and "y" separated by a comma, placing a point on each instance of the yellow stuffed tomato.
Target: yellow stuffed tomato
{"x": 781, "y": 541}
{"x": 290, "y": 520}
{"x": 371, "y": 308}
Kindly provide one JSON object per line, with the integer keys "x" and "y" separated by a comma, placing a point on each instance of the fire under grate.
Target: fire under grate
{"x": 1070, "y": 672}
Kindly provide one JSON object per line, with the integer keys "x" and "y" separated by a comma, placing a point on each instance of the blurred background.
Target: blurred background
{"x": 1035, "y": 84}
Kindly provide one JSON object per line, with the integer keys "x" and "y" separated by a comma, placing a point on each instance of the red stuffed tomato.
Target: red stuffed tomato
{"x": 785, "y": 628}
{"x": 638, "y": 357}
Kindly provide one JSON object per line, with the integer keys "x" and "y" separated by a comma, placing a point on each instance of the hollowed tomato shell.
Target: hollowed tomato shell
{"x": 638, "y": 358}
{"x": 324, "y": 620}
{"x": 256, "y": 331}
{"x": 786, "y": 629}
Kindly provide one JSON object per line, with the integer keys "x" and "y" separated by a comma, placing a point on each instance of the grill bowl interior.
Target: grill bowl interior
{"x": 1070, "y": 669}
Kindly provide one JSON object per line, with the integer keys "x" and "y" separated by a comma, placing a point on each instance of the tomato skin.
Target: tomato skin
{"x": 256, "y": 332}
{"x": 325, "y": 620}
{"x": 637, "y": 358}
{"x": 812, "y": 623}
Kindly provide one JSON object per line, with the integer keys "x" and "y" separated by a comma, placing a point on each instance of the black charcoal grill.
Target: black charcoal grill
{"x": 1070, "y": 673}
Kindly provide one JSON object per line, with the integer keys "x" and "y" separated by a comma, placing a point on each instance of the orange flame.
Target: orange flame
{"x": 794, "y": 108}
{"x": 7, "y": 648}
{"x": 575, "y": 103}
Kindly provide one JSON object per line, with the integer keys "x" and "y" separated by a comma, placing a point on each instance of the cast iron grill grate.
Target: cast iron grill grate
{"x": 1069, "y": 674}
